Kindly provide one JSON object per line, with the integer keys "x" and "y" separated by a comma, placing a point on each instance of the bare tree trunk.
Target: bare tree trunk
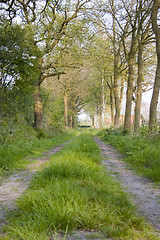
{"x": 101, "y": 110}
{"x": 74, "y": 121}
{"x": 111, "y": 101}
{"x": 102, "y": 103}
{"x": 127, "y": 121}
{"x": 135, "y": 33}
{"x": 117, "y": 100}
{"x": 38, "y": 105}
{"x": 116, "y": 60}
{"x": 139, "y": 89}
{"x": 38, "y": 109}
{"x": 96, "y": 116}
{"x": 71, "y": 121}
{"x": 65, "y": 109}
{"x": 122, "y": 88}
{"x": 154, "y": 101}
{"x": 93, "y": 119}
{"x": 112, "y": 107}
{"x": 73, "y": 112}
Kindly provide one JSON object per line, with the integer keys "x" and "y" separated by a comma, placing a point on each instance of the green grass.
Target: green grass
{"x": 15, "y": 154}
{"x": 76, "y": 193}
{"x": 142, "y": 153}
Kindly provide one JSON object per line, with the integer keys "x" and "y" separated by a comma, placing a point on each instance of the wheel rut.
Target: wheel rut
{"x": 15, "y": 185}
{"x": 143, "y": 193}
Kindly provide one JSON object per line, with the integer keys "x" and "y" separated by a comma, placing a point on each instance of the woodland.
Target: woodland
{"x": 60, "y": 59}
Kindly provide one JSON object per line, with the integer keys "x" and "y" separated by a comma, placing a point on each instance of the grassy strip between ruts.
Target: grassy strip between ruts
{"x": 76, "y": 193}
{"x": 140, "y": 152}
{"x": 13, "y": 154}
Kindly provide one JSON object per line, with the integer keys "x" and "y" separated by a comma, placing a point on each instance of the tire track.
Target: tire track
{"x": 144, "y": 195}
{"x": 15, "y": 185}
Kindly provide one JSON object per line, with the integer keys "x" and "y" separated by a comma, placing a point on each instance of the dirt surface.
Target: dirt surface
{"x": 81, "y": 235}
{"x": 142, "y": 191}
{"x": 15, "y": 185}
{"x": 144, "y": 194}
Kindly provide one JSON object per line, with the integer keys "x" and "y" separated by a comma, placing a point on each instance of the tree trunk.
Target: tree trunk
{"x": 73, "y": 112}
{"x": 102, "y": 104}
{"x": 112, "y": 107}
{"x": 96, "y": 118}
{"x": 38, "y": 109}
{"x": 122, "y": 88}
{"x": 116, "y": 98}
{"x": 111, "y": 101}
{"x": 71, "y": 121}
{"x": 139, "y": 89}
{"x": 65, "y": 109}
{"x": 74, "y": 121}
{"x": 101, "y": 111}
{"x": 116, "y": 60}
{"x": 127, "y": 121}
{"x": 92, "y": 117}
{"x": 154, "y": 101}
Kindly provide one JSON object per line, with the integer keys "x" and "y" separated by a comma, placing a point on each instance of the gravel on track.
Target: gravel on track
{"x": 144, "y": 194}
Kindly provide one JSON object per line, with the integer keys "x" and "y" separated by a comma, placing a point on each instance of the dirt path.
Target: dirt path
{"x": 146, "y": 197}
{"x": 15, "y": 185}
{"x": 144, "y": 194}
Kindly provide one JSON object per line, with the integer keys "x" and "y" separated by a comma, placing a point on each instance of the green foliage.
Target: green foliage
{"x": 74, "y": 192}
{"x": 10, "y": 132}
{"x": 54, "y": 112}
{"x": 18, "y": 72}
{"x": 18, "y": 54}
{"x": 40, "y": 133}
{"x": 142, "y": 153}
{"x": 16, "y": 104}
{"x": 23, "y": 142}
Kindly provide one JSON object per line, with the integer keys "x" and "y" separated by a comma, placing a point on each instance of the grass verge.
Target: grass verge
{"x": 76, "y": 193}
{"x": 14, "y": 155}
{"x": 140, "y": 152}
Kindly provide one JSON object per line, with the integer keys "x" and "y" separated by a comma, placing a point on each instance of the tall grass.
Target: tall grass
{"x": 141, "y": 152}
{"x": 27, "y": 143}
{"x": 75, "y": 193}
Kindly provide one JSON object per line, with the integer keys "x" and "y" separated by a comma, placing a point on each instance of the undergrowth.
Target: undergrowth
{"x": 26, "y": 142}
{"x": 76, "y": 193}
{"x": 141, "y": 152}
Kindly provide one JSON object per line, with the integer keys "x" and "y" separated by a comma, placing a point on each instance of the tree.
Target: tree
{"x": 154, "y": 101}
{"x": 100, "y": 56}
{"x": 48, "y": 22}
{"x": 132, "y": 16}
{"x": 111, "y": 87}
{"x": 18, "y": 68}
{"x": 144, "y": 38}
{"x": 116, "y": 49}
{"x": 115, "y": 31}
